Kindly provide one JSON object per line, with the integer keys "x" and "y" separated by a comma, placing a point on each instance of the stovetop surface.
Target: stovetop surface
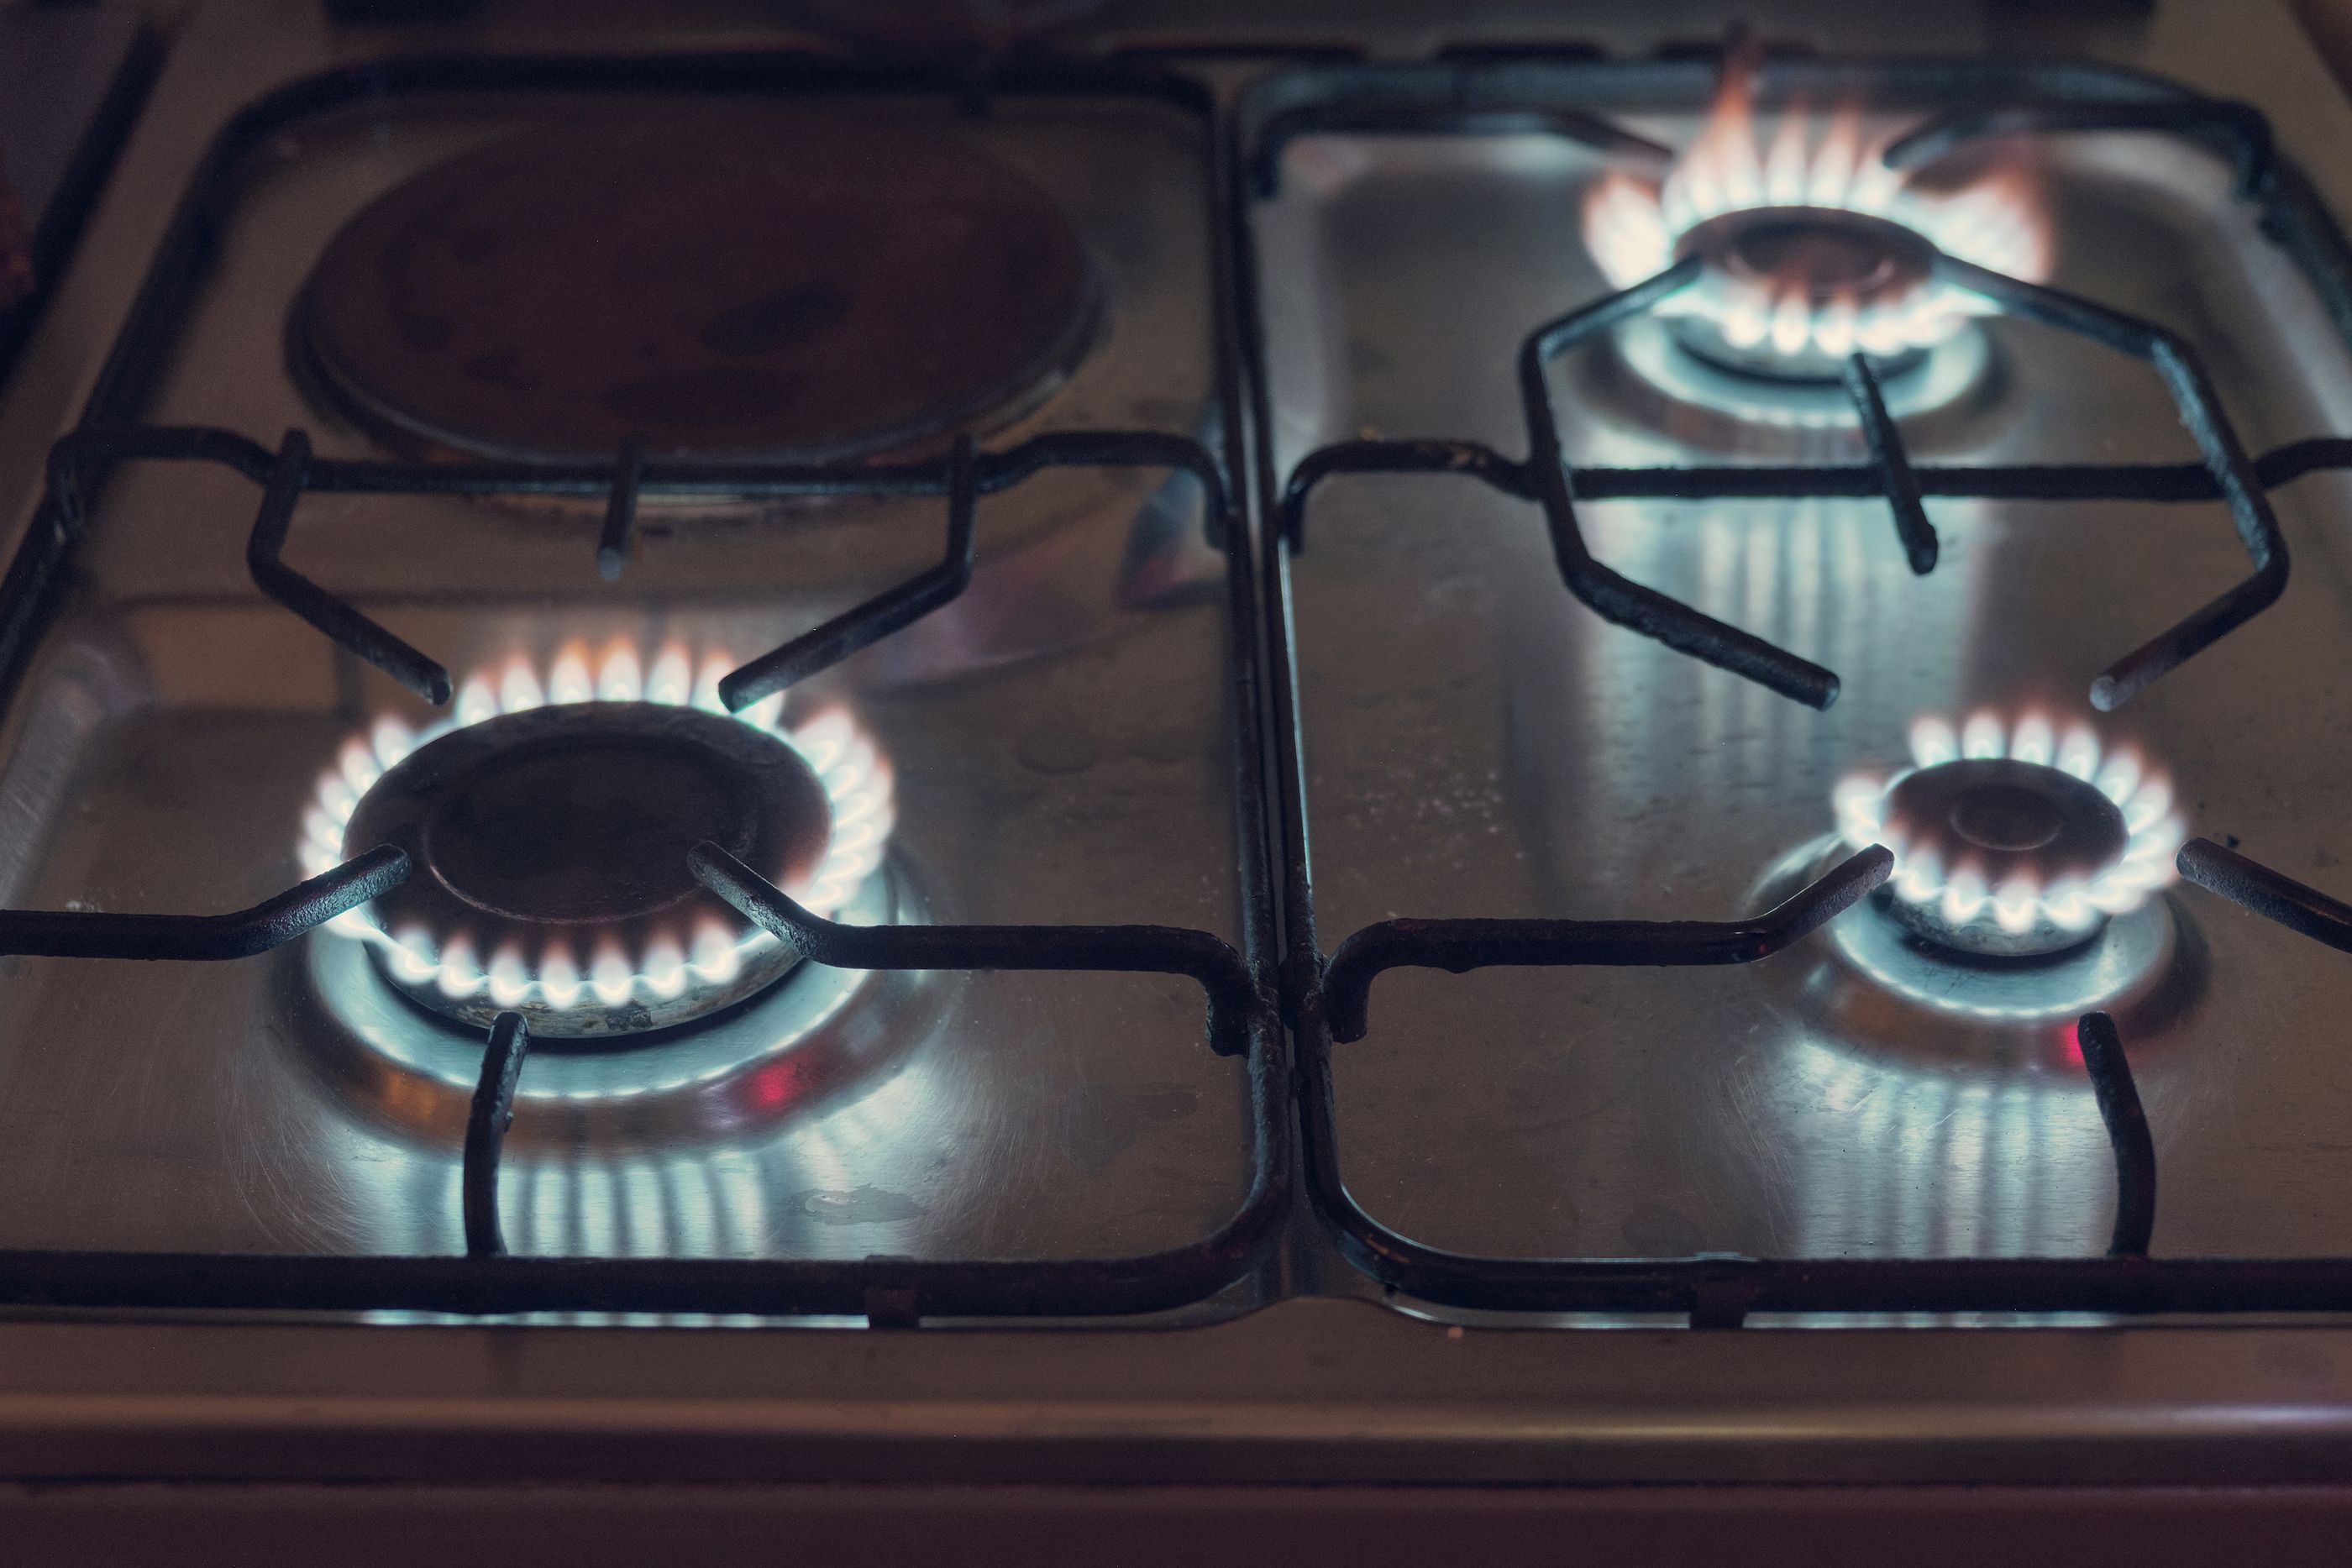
{"x": 1475, "y": 743}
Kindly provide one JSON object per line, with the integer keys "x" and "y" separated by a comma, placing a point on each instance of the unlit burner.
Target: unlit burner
{"x": 550, "y": 825}
{"x": 780, "y": 282}
{"x": 2014, "y": 844}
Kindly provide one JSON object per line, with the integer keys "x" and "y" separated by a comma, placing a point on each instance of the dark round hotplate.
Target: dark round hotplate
{"x": 564, "y": 830}
{"x": 726, "y": 281}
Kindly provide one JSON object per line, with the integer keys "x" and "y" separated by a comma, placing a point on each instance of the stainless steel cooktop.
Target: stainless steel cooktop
{"x": 1167, "y": 699}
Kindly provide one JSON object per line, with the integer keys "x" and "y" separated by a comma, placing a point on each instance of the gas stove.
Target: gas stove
{"x": 1289, "y": 752}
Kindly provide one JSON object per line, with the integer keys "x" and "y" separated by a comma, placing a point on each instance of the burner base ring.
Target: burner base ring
{"x": 764, "y": 1059}
{"x": 1786, "y": 271}
{"x": 2129, "y": 957}
{"x": 1653, "y": 382}
{"x": 563, "y": 830}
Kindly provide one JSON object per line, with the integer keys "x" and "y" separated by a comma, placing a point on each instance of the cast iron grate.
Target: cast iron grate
{"x": 1327, "y": 1001}
{"x": 1241, "y": 1013}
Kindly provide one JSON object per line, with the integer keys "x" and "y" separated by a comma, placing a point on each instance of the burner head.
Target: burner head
{"x": 552, "y": 843}
{"x": 2013, "y": 842}
{"x": 1793, "y": 271}
{"x": 750, "y": 282}
{"x": 2010, "y": 823}
{"x": 1816, "y": 249}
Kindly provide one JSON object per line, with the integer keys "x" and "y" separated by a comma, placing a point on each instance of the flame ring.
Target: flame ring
{"x": 1635, "y": 228}
{"x": 857, "y": 779}
{"x": 1957, "y": 894}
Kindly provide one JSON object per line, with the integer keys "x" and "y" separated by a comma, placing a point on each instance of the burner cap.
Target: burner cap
{"x": 2013, "y": 824}
{"x": 554, "y": 841}
{"x": 738, "y": 281}
{"x": 1788, "y": 269}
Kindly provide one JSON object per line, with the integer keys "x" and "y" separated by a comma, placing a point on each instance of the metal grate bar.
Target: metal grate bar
{"x": 2226, "y": 474}
{"x": 1234, "y": 1001}
{"x": 1457, "y": 118}
{"x": 2254, "y": 886}
{"x": 206, "y": 938}
{"x": 494, "y": 1286}
{"x": 1459, "y": 946}
{"x": 1893, "y": 465}
{"x": 991, "y": 1287}
{"x": 2127, "y": 1134}
{"x": 879, "y": 616}
{"x": 2238, "y": 130}
{"x": 1609, "y": 593}
{"x": 73, "y": 456}
{"x": 2200, "y": 414}
{"x": 621, "y": 511}
{"x": 491, "y": 1113}
{"x": 963, "y": 477}
{"x": 2078, "y": 482}
{"x": 335, "y": 617}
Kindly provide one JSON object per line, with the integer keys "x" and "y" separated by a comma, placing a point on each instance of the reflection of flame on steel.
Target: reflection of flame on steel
{"x": 1983, "y": 1157}
{"x": 1830, "y": 277}
{"x": 855, "y": 778}
{"x": 2001, "y": 875}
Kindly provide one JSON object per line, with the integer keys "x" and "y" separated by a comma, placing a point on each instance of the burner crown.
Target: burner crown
{"x": 1817, "y": 249}
{"x": 549, "y": 820}
{"x": 2014, "y": 842}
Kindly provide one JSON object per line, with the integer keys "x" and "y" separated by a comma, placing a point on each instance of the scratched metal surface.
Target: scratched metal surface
{"x": 1052, "y": 738}
{"x": 1476, "y": 744}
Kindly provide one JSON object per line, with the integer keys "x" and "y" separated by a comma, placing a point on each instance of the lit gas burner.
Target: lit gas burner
{"x": 1814, "y": 248}
{"x": 550, "y": 821}
{"x": 2014, "y": 842}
